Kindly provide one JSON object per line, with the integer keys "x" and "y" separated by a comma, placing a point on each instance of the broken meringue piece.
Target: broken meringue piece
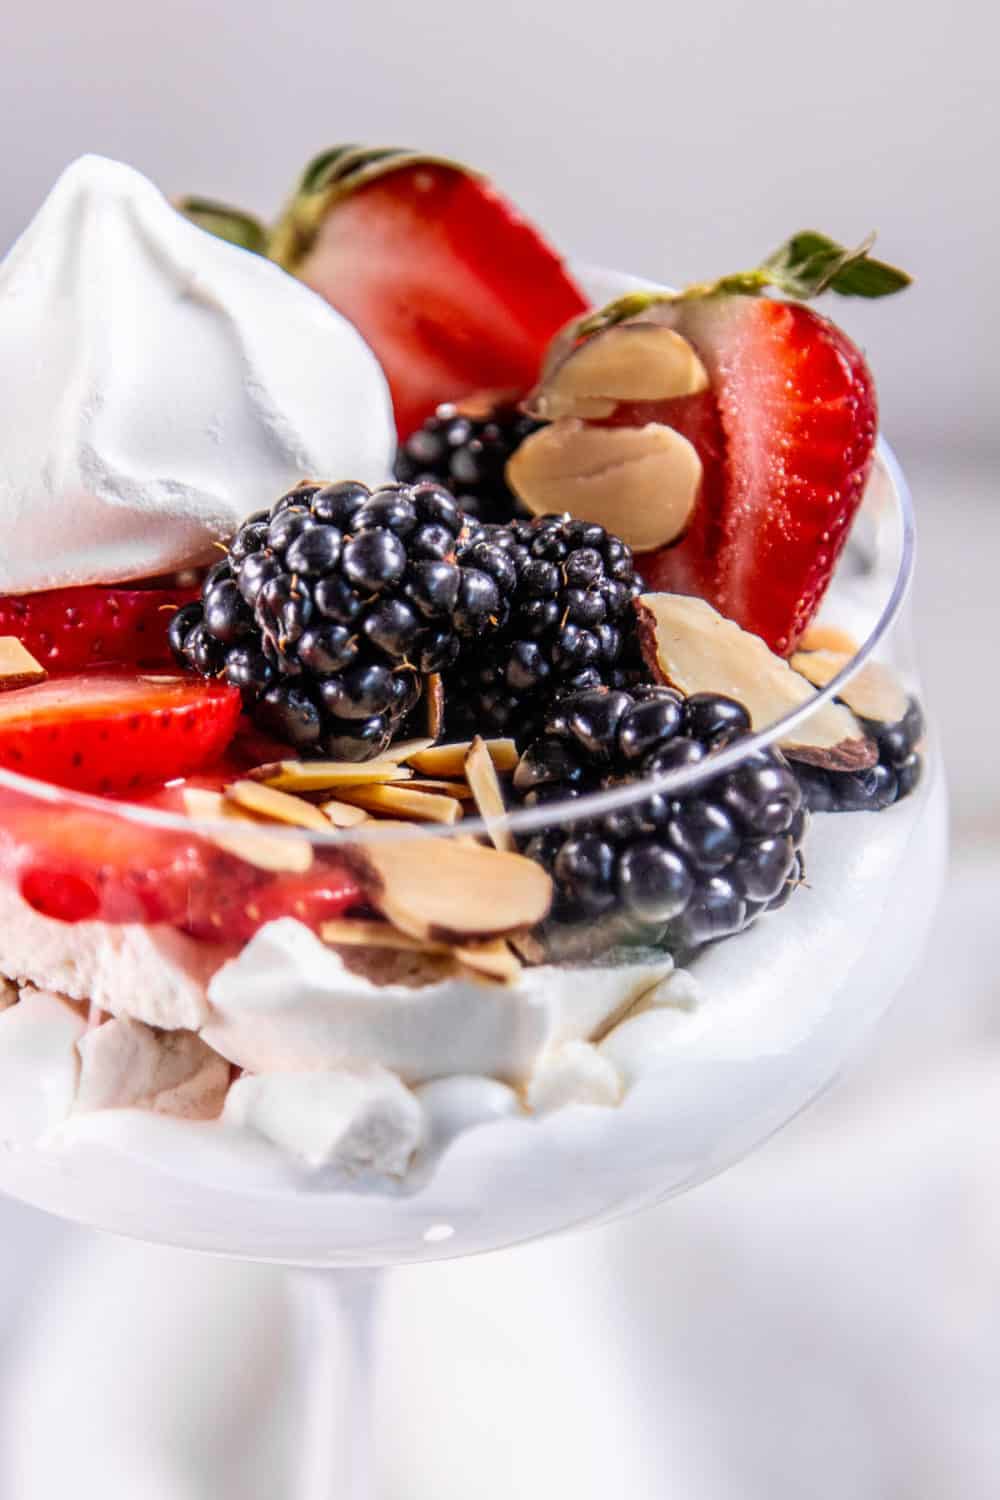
{"x": 39, "y": 1065}
{"x": 575, "y": 1073}
{"x": 125, "y": 1064}
{"x": 693, "y": 648}
{"x": 353, "y": 1118}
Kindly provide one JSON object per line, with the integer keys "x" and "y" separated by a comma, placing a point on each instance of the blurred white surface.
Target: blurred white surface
{"x": 675, "y": 140}
{"x": 822, "y": 1320}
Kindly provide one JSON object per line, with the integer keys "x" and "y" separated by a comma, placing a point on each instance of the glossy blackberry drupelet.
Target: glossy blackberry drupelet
{"x": 569, "y": 587}
{"x": 894, "y": 777}
{"x": 679, "y": 871}
{"x": 331, "y": 608}
{"x": 468, "y": 456}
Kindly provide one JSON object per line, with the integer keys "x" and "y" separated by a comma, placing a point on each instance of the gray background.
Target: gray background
{"x": 676, "y": 140}
{"x": 821, "y": 1321}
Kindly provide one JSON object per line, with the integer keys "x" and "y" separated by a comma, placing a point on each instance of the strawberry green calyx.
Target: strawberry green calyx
{"x": 328, "y": 179}
{"x": 802, "y": 268}
{"x": 226, "y": 223}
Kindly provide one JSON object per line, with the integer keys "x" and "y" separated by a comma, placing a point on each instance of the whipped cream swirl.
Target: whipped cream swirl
{"x": 159, "y": 385}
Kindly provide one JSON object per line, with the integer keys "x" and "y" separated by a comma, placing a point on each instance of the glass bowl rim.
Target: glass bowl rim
{"x": 529, "y": 820}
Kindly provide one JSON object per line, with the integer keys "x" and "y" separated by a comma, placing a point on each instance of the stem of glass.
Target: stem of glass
{"x": 338, "y": 1317}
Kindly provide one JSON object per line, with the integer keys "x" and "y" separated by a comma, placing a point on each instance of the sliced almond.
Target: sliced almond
{"x": 874, "y": 692}
{"x": 342, "y": 816}
{"x": 495, "y": 960}
{"x": 434, "y": 694}
{"x": 347, "y": 934}
{"x": 398, "y": 754}
{"x": 284, "y": 855}
{"x": 641, "y": 483}
{"x": 689, "y": 645}
{"x": 481, "y": 774}
{"x": 449, "y": 760}
{"x": 459, "y": 789}
{"x": 627, "y": 362}
{"x": 279, "y": 807}
{"x": 451, "y": 891}
{"x": 404, "y": 802}
{"x": 828, "y": 638}
{"x": 326, "y": 775}
{"x": 18, "y": 668}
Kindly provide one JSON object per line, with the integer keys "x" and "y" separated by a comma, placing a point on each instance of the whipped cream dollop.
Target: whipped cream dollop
{"x": 159, "y": 385}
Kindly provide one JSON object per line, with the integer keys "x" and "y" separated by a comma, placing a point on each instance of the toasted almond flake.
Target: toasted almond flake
{"x": 401, "y": 752}
{"x": 459, "y": 789}
{"x": 342, "y": 816}
{"x": 527, "y": 947}
{"x": 326, "y": 775}
{"x": 449, "y": 760}
{"x": 495, "y": 960}
{"x": 434, "y": 693}
{"x": 627, "y": 362}
{"x": 690, "y": 645}
{"x": 874, "y": 692}
{"x": 279, "y": 807}
{"x": 284, "y": 855}
{"x": 18, "y": 668}
{"x": 828, "y": 638}
{"x": 481, "y": 774}
{"x": 641, "y": 483}
{"x": 423, "y": 807}
{"x": 451, "y": 891}
{"x": 347, "y": 934}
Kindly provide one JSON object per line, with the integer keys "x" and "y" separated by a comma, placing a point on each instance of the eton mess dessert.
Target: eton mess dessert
{"x": 391, "y": 648}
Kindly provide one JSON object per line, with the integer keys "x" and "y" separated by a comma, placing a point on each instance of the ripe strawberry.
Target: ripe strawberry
{"x": 785, "y": 432}
{"x": 67, "y": 630}
{"x": 76, "y": 865}
{"x": 453, "y": 290}
{"x": 115, "y": 731}
{"x": 795, "y": 402}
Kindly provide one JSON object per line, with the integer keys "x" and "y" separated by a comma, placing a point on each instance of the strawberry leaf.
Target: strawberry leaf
{"x": 226, "y": 223}
{"x": 810, "y": 263}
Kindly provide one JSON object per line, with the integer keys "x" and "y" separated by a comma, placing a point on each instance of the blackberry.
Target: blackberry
{"x": 331, "y": 608}
{"x": 679, "y": 871}
{"x": 468, "y": 455}
{"x": 894, "y": 776}
{"x": 566, "y": 624}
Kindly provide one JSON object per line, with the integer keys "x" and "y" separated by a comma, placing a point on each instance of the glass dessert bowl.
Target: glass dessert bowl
{"x": 265, "y": 1075}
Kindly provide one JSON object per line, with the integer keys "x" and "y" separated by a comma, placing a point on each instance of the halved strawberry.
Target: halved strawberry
{"x": 785, "y": 432}
{"x": 76, "y": 865}
{"x": 112, "y": 732}
{"x": 69, "y": 629}
{"x": 794, "y": 403}
{"x": 453, "y": 290}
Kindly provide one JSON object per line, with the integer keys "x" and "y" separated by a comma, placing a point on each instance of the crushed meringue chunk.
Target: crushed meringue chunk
{"x": 39, "y": 1065}
{"x": 575, "y": 1073}
{"x": 125, "y": 1064}
{"x": 354, "y": 1119}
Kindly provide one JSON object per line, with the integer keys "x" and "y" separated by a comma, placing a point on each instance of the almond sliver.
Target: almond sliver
{"x": 326, "y": 775}
{"x": 402, "y": 801}
{"x": 342, "y": 816}
{"x": 18, "y": 668}
{"x": 495, "y": 960}
{"x": 449, "y": 760}
{"x": 482, "y": 777}
{"x": 279, "y": 807}
{"x": 350, "y": 934}
{"x": 284, "y": 855}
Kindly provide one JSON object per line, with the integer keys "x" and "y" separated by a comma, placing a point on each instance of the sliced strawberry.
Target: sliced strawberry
{"x": 76, "y": 866}
{"x": 111, "y": 732}
{"x": 67, "y": 630}
{"x": 326, "y": 892}
{"x": 453, "y": 290}
{"x": 796, "y": 409}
